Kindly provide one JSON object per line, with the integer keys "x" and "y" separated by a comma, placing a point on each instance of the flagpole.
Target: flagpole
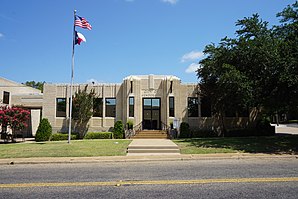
{"x": 72, "y": 72}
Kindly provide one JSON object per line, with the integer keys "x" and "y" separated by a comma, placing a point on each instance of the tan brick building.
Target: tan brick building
{"x": 16, "y": 94}
{"x": 151, "y": 101}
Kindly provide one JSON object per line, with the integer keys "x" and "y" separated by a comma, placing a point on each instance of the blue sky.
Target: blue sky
{"x": 129, "y": 37}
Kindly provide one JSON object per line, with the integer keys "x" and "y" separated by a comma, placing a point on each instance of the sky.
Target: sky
{"x": 128, "y": 37}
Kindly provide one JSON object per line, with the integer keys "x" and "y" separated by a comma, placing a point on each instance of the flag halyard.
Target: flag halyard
{"x": 77, "y": 39}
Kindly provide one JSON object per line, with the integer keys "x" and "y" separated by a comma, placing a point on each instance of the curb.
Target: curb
{"x": 142, "y": 158}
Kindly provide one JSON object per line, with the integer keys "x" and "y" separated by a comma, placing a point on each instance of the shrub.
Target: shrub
{"x": 203, "y": 133}
{"x": 129, "y": 124}
{"x": 184, "y": 130}
{"x": 118, "y": 130}
{"x": 44, "y": 131}
{"x": 63, "y": 136}
{"x": 98, "y": 135}
{"x": 264, "y": 128}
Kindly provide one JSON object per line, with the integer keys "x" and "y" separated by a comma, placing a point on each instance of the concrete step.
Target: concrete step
{"x": 151, "y": 134}
{"x": 153, "y": 151}
{"x": 152, "y": 147}
{"x": 146, "y": 136}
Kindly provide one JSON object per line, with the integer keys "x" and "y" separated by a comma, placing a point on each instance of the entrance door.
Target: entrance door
{"x": 151, "y": 113}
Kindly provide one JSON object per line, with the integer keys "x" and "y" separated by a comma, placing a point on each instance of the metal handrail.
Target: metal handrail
{"x": 166, "y": 128}
{"x": 129, "y": 133}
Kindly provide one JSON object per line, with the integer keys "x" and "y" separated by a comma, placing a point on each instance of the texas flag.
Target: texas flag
{"x": 79, "y": 38}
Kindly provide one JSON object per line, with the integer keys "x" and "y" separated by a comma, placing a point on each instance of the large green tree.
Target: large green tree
{"x": 258, "y": 68}
{"x": 287, "y": 32}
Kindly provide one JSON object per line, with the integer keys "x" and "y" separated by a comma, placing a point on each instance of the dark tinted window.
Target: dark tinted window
{"x": 193, "y": 110}
{"x": 61, "y": 107}
{"x": 97, "y": 107}
{"x": 171, "y": 107}
{"x": 110, "y": 107}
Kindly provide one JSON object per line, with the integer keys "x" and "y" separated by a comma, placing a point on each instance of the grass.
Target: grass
{"x": 107, "y": 147}
{"x": 77, "y": 148}
{"x": 265, "y": 144}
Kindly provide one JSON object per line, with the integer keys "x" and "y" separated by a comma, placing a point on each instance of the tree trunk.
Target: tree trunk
{"x": 221, "y": 123}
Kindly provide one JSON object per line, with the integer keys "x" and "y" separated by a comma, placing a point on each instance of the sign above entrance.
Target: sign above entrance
{"x": 149, "y": 93}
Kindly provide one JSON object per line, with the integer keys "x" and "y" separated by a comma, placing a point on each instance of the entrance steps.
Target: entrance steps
{"x": 152, "y": 147}
{"x": 151, "y": 134}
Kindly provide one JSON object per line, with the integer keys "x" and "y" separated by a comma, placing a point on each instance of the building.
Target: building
{"x": 149, "y": 101}
{"x": 16, "y": 94}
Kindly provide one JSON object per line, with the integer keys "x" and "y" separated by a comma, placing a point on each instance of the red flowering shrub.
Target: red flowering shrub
{"x": 14, "y": 117}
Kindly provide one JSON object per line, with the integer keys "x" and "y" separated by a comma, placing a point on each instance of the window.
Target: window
{"x": 171, "y": 87}
{"x": 5, "y": 97}
{"x": 110, "y": 107}
{"x": 192, "y": 107}
{"x": 131, "y": 86}
{"x": 97, "y": 107}
{"x": 205, "y": 107}
{"x": 131, "y": 106}
{"x": 61, "y": 107}
{"x": 171, "y": 107}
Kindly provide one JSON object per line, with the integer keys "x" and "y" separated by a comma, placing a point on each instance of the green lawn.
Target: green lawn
{"x": 88, "y": 148}
{"x": 265, "y": 144}
{"x": 77, "y": 148}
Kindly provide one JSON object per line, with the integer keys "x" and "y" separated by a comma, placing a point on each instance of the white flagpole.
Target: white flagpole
{"x": 72, "y": 72}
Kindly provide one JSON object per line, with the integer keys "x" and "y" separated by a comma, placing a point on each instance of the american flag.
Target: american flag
{"x": 82, "y": 22}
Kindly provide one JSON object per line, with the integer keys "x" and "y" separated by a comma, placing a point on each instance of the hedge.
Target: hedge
{"x": 63, "y": 136}
{"x": 99, "y": 135}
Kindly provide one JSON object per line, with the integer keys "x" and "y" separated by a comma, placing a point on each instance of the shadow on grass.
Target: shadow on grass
{"x": 287, "y": 144}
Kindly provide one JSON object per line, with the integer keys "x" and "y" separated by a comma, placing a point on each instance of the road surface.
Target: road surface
{"x": 229, "y": 178}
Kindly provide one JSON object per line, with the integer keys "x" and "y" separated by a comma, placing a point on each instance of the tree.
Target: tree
{"x": 37, "y": 85}
{"x": 226, "y": 87}
{"x": 14, "y": 117}
{"x": 82, "y": 110}
{"x": 44, "y": 131}
{"x": 287, "y": 32}
{"x": 258, "y": 68}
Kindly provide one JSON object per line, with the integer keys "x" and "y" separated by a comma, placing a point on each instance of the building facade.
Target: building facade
{"x": 16, "y": 94}
{"x": 149, "y": 101}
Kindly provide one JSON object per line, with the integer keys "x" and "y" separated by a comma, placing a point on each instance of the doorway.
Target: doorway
{"x": 151, "y": 113}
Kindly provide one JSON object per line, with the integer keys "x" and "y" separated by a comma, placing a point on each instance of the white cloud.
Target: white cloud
{"x": 191, "y": 56}
{"x": 192, "y": 68}
{"x": 170, "y": 1}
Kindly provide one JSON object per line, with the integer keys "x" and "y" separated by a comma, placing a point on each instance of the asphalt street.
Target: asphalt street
{"x": 228, "y": 178}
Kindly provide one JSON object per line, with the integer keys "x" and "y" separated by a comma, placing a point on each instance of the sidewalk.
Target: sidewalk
{"x": 101, "y": 159}
{"x": 284, "y": 129}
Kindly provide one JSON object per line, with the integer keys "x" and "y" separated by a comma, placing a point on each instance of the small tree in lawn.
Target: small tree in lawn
{"x": 44, "y": 131}
{"x": 14, "y": 117}
{"x": 82, "y": 110}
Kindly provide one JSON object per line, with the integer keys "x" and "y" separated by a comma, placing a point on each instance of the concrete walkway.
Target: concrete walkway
{"x": 291, "y": 129}
{"x": 141, "y": 147}
{"x": 147, "y": 158}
